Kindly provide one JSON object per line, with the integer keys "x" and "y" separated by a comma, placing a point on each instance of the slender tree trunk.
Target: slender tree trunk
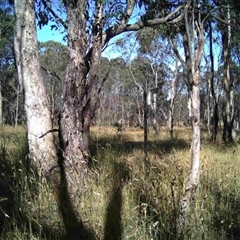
{"x": 139, "y": 114}
{"x": 41, "y": 143}
{"x": 154, "y": 108}
{"x": 195, "y": 42}
{"x": 228, "y": 116}
{"x": 194, "y": 177}
{"x": 154, "y": 103}
{"x": 145, "y": 124}
{"x": 172, "y": 103}
{"x": 212, "y": 98}
{"x": 17, "y": 106}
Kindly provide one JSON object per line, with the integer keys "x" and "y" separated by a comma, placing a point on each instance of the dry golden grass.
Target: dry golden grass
{"x": 127, "y": 198}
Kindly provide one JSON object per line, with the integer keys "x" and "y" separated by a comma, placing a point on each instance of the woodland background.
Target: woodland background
{"x": 155, "y": 143}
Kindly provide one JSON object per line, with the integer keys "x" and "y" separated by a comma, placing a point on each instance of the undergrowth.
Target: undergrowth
{"x": 127, "y": 197}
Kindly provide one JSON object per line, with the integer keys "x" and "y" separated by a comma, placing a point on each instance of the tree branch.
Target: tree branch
{"x": 52, "y": 73}
{"x": 123, "y": 26}
{"x": 46, "y": 5}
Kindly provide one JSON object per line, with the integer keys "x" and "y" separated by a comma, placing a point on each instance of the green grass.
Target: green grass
{"x": 125, "y": 198}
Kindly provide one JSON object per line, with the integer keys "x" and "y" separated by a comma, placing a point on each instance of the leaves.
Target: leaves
{"x": 42, "y": 19}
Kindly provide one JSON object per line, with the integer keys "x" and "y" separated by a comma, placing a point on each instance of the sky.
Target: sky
{"x": 45, "y": 34}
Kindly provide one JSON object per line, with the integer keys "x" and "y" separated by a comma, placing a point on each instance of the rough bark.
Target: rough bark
{"x": 228, "y": 115}
{"x": 41, "y": 145}
{"x": 81, "y": 96}
{"x": 80, "y": 100}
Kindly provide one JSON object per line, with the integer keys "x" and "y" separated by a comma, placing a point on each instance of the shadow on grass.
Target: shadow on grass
{"x": 225, "y": 217}
{"x": 75, "y": 229}
{"x": 19, "y": 185}
{"x": 113, "y": 221}
{"x": 157, "y": 210}
{"x": 16, "y": 184}
{"x": 6, "y": 195}
{"x": 123, "y": 145}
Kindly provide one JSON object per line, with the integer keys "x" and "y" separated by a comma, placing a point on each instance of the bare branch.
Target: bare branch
{"x": 128, "y": 12}
{"x": 52, "y": 73}
{"x": 176, "y": 52}
{"x": 134, "y": 79}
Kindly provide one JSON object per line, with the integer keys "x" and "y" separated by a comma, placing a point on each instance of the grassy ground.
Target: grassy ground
{"x": 126, "y": 199}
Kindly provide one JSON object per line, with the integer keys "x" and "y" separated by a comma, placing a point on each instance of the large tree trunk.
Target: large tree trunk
{"x": 81, "y": 92}
{"x": 40, "y": 141}
{"x": 80, "y": 100}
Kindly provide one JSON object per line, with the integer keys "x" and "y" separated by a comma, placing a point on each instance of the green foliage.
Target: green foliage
{"x": 6, "y": 32}
{"x": 51, "y": 12}
{"x": 53, "y": 59}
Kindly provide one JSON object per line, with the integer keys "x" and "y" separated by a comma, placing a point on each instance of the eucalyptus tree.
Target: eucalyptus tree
{"x": 90, "y": 26}
{"x": 213, "y": 95}
{"x": 115, "y": 93}
{"x": 156, "y": 53}
{"x": 193, "y": 39}
{"x": 194, "y": 24}
{"x": 228, "y": 117}
{"x": 41, "y": 145}
{"x": 173, "y": 95}
{"x": 227, "y": 27}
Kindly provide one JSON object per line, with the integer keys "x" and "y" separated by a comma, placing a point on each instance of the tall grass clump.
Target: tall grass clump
{"x": 128, "y": 196}
{"x": 28, "y": 209}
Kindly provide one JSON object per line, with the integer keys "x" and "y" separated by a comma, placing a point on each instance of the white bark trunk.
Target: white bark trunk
{"x": 194, "y": 176}
{"x": 41, "y": 149}
{"x": 172, "y": 102}
{"x": 195, "y": 48}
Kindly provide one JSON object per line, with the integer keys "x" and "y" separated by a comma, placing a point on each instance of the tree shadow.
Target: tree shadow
{"x": 15, "y": 171}
{"x": 12, "y": 215}
{"x": 225, "y": 217}
{"x": 6, "y": 195}
{"x": 125, "y": 146}
{"x": 113, "y": 222}
{"x": 74, "y": 226}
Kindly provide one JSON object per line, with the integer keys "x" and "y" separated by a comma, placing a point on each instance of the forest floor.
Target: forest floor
{"x": 128, "y": 195}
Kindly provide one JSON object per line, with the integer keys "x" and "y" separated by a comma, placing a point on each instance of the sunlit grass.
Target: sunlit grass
{"x": 126, "y": 197}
